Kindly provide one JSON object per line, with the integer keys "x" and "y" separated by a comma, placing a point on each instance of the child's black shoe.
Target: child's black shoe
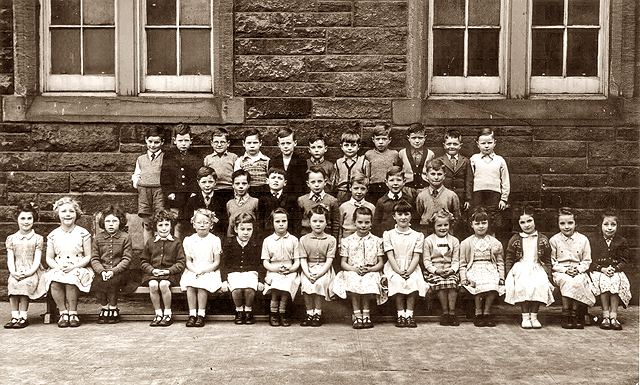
{"x": 478, "y": 320}
{"x": 240, "y": 318}
{"x": 400, "y": 322}
{"x": 63, "y": 322}
{"x": 445, "y": 320}
{"x": 102, "y": 317}
{"x": 22, "y": 323}
{"x": 489, "y": 321}
{"x": 357, "y": 323}
{"x": 274, "y": 319}
{"x": 248, "y": 319}
{"x": 453, "y": 320}
{"x": 409, "y": 322}
{"x": 605, "y": 324}
{"x": 199, "y": 321}
{"x": 307, "y": 321}
{"x": 615, "y": 324}
{"x": 191, "y": 321}
{"x": 114, "y": 318}
{"x": 366, "y": 323}
{"x": 156, "y": 321}
{"x": 568, "y": 324}
{"x": 11, "y": 324}
{"x": 316, "y": 321}
{"x": 74, "y": 321}
{"x": 166, "y": 321}
{"x": 284, "y": 321}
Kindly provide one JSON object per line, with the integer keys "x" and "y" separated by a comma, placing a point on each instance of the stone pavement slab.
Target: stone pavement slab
{"x": 223, "y": 353}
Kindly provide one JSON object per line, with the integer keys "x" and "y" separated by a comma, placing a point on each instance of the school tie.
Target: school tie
{"x": 434, "y": 193}
{"x": 207, "y": 199}
{"x": 417, "y": 157}
{"x": 317, "y": 198}
{"x": 454, "y": 162}
{"x": 153, "y": 156}
{"x": 396, "y": 197}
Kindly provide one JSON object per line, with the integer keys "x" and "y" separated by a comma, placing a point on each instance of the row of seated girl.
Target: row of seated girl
{"x": 204, "y": 265}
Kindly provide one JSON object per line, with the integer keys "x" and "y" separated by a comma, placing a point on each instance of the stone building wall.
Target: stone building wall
{"x": 315, "y": 65}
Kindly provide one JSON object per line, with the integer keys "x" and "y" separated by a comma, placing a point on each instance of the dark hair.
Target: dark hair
{"x": 435, "y": 164}
{"x": 395, "y": 170}
{"x": 486, "y": 132}
{"x": 610, "y": 212}
{"x": 320, "y": 210}
{"x": 163, "y": 215}
{"x": 362, "y": 210}
{"x": 315, "y": 169}
{"x": 205, "y": 171}
{"x": 182, "y": 129}
{"x": 416, "y": 128}
{"x": 317, "y": 136}
{"x": 402, "y": 207}
{"x": 240, "y": 172}
{"x": 251, "y": 132}
{"x": 525, "y": 210}
{"x": 219, "y": 131}
{"x": 284, "y": 132}
{"x": 117, "y": 212}
{"x": 453, "y": 134}
{"x": 154, "y": 131}
{"x": 350, "y": 136}
{"x": 26, "y": 207}
{"x": 566, "y": 211}
{"x": 382, "y": 129}
{"x": 243, "y": 218}
{"x": 278, "y": 210}
{"x": 277, "y": 170}
{"x": 479, "y": 214}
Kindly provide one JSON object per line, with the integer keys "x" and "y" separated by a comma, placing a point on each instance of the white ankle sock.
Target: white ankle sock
{"x": 248, "y": 309}
{"x": 201, "y": 312}
{"x": 192, "y": 312}
{"x": 408, "y": 313}
{"x": 15, "y": 314}
{"x": 159, "y": 312}
{"x": 23, "y": 314}
{"x": 167, "y": 312}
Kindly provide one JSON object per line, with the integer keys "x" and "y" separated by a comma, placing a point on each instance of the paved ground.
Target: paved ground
{"x": 221, "y": 352}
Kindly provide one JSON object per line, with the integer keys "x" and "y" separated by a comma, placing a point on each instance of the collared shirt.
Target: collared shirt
{"x": 26, "y": 236}
{"x": 317, "y": 248}
{"x": 168, "y": 238}
{"x": 224, "y": 166}
{"x": 321, "y": 194}
{"x": 241, "y": 200}
{"x": 282, "y": 249}
{"x": 241, "y": 243}
{"x": 276, "y": 194}
{"x": 357, "y": 203}
{"x": 392, "y": 195}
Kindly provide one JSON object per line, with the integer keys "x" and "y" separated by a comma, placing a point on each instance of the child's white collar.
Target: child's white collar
{"x": 169, "y": 238}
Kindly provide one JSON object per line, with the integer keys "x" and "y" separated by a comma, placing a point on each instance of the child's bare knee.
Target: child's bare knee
{"x": 165, "y": 285}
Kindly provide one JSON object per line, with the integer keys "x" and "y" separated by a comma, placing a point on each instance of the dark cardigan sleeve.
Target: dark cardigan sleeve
{"x": 510, "y": 253}
{"x": 127, "y": 252}
{"x": 622, "y": 255}
{"x": 145, "y": 258}
{"x": 181, "y": 259}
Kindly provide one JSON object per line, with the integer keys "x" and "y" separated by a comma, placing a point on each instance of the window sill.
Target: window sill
{"x": 150, "y": 109}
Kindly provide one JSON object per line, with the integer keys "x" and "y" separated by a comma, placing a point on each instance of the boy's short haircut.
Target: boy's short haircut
{"x": 416, "y": 128}
{"x": 382, "y": 129}
{"x": 350, "y": 136}
{"x": 359, "y": 178}
{"x": 394, "y": 171}
{"x": 205, "y": 171}
{"x": 243, "y": 218}
{"x": 219, "y": 131}
{"x": 163, "y": 215}
{"x": 320, "y": 210}
{"x": 316, "y": 137}
{"x": 154, "y": 131}
{"x": 453, "y": 134}
{"x": 278, "y": 210}
{"x": 486, "y": 132}
{"x": 402, "y": 207}
{"x": 611, "y": 213}
{"x": 117, "y": 212}
{"x": 567, "y": 211}
{"x": 251, "y": 132}
{"x": 479, "y": 214}
{"x": 277, "y": 170}
{"x": 182, "y": 129}
{"x": 362, "y": 210}
{"x": 240, "y": 172}
{"x": 315, "y": 169}
{"x": 26, "y": 207}
{"x": 284, "y": 132}
{"x": 435, "y": 164}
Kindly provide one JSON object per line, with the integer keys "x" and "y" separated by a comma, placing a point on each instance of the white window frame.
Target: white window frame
{"x": 562, "y": 86}
{"x": 73, "y": 83}
{"x": 469, "y": 86}
{"x": 173, "y": 83}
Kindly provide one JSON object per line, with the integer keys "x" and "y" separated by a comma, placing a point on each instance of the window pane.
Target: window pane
{"x": 448, "y": 12}
{"x": 99, "y": 51}
{"x": 448, "y": 52}
{"x": 582, "y": 52}
{"x": 195, "y": 12}
{"x": 584, "y": 12}
{"x": 483, "y": 52}
{"x": 65, "y": 12}
{"x": 65, "y": 51}
{"x": 548, "y": 12}
{"x": 161, "y": 52}
{"x": 161, "y": 12}
{"x": 195, "y": 58}
{"x": 484, "y": 12}
{"x": 547, "y": 52}
{"x": 98, "y": 12}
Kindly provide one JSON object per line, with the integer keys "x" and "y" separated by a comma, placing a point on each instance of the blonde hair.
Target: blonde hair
{"x": 204, "y": 212}
{"x": 67, "y": 200}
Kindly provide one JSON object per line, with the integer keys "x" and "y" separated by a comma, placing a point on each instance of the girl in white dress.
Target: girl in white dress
{"x": 202, "y": 273}
{"x": 528, "y": 263}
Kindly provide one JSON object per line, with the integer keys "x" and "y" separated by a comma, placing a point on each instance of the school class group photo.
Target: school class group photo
{"x": 363, "y": 228}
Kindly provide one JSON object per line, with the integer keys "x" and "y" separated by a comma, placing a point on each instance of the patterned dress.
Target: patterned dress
{"x": 68, "y": 249}
{"x": 360, "y": 251}
{"x": 404, "y": 245}
{"x": 573, "y": 251}
{"x": 24, "y": 249}
{"x": 316, "y": 250}
{"x": 201, "y": 253}
{"x": 615, "y": 253}
{"x": 527, "y": 280}
{"x": 481, "y": 264}
{"x": 441, "y": 253}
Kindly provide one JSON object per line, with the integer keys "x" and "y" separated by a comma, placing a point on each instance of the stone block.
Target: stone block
{"x": 334, "y": 6}
{"x": 524, "y": 183}
{"x": 624, "y": 176}
{"x": 47, "y": 200}
{"x": 13, "y": 198}
{"x": 592, "y": 134}
{"x": 15, "y": 142}
{"x": 546, "y": 165}
{"x": 280, "y": 46}
{"x": 91, "y": 162}
{"x": 7, "y": 214}
{"x": 309, "y": 33}
{"x": 76, "y": 138}
{"x": 15, "y": 128}
{"x": 345, "y": 108}
{"x": 331, "y": 129}
{"x": 20, "y": 181}
{"x": 324, "y": 19}
{"x": 278, "y": 108}
{"x": 380, "y": 14}
{"x": 590, "y": 198}
{"x": 23, "y": 161}
{"x": 573, "y": 180}
{"x": 322, "y": 77}
{"x": 276, "y": 5}
{"x": 371, "y": 84}
{"x": 367, "y": 41}
{"x": 264, "y": 25}
{"x": 346, "y": 63}
{"x": 614, "y": 154}
{"x": 133, "y": 148}
{"x": 395, "y": 67}
{"x": 284, "y": 89}
{"x": 270, "y": 69}
{"x": 555, "y": 148}
{"x": 102, "y": 181}
{"x": 630, "y": 134}
{"x": 513, "y": 146}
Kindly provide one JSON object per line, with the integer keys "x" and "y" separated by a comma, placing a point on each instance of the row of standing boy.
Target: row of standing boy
{"x": 488, "y": 172}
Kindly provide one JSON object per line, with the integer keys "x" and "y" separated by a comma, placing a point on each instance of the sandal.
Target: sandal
{"x": 74, "y": 321}
{"x": 102, "y": 317}
{"x": 63, "y": 322}
{"x": 156, "y": 321}
{"x": 22, "y": 323}
{"x": 114, "y": 318}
